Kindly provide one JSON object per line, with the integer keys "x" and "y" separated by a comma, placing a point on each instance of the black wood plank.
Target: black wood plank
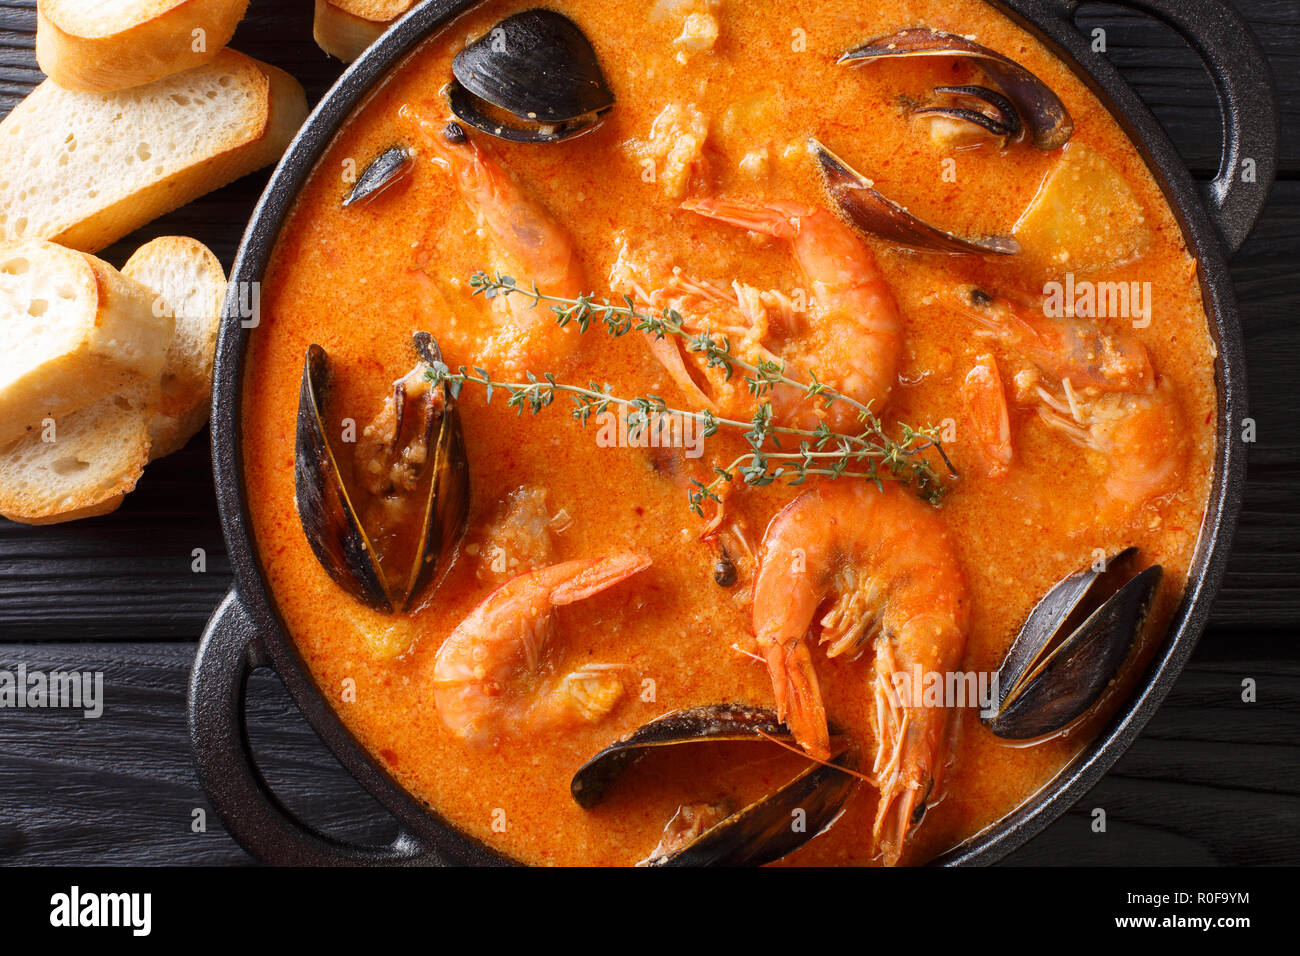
{"x": 1263, "y": 584}
{"x": 1170, "y": 79}
{"x": 121, "y": 789}
{"x": 126, "y": 576}
{"x": 1213, "y": 780}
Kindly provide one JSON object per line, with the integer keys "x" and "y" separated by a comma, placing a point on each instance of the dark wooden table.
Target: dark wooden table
{"x": 1213, "y": 780}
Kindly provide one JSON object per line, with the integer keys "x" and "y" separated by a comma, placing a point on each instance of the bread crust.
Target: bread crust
{"x": 280, "y": 106}
{"x": 284, "y": 107}
{"x": 186, "y": 397}
{"x": 346, "y": 28}
{"x": 123, "y": 345}
{"x": 153, "y": 39}
{"x": 111, "y": 438}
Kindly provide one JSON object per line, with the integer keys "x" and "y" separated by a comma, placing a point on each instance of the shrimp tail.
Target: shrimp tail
{"x": 769, "y": 219}
{"x": 798, "y": 696}
{"x": 798, "y": 700}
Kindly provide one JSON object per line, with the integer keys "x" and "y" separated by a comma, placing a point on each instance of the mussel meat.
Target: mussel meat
{"x": 1044, "y": 115}
{"x": 870, "y": 212}
{"x": 1071, "y": 647}
{"x": 387, "y": 169}
{"x": 710, "y": 835}
{"x": 380, "y": 520}
{"x": 533, "y": 78}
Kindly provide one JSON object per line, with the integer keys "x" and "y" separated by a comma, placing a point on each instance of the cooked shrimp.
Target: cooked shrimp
{"x": 743, "y": 314}
{"x": 1065, "y": 348}
{"x": 855, "y": 343}
{"x": 886, "y": 558}
{"x": 489, "y": 677}
{"x": 985, "y": 401}
{"x": 1142, "y": 441}
{"x": 526, "y": 237}
{"x": 1110, "y": 399}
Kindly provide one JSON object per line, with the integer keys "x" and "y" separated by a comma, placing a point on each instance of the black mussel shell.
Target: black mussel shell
{"x": 1003, "y": 121}
{"x": 765, "y": 831}
{"x": 446, "y": 513}
{"x": 759, "y": 833}
{"x": 1057, "y": 609}
{"x": 1045, "y": 116}
{"x": 1071, "y": 647}
{"x": 330, "y": 519}
{"x": 533, "y": 78}
{"x": 716, "y": 722}
{"x": 871, "y": 213}
{"x": 388, "y": 168}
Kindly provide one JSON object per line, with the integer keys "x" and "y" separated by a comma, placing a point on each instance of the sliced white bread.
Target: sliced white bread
{"x": 94, "y": 46}
{"x": 73, "y": 330}
{"x": 85, "y": 169}
{"x": 191, "y": 287}
{"x": 84, "y": 466}
{"x": 345, "y": 28}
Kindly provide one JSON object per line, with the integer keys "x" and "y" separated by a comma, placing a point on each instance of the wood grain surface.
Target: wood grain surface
{"x": 1211, "y": 780}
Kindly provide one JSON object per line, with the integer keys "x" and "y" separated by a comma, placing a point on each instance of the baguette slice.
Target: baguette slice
{"x": 345, "y": 28}
{"x": 191, "y": 287}
{"x": 85, "y": 169}
{"x": 73, "y": 330}
{"x": 96, "y": 458}
{"x": 97, "y": 47}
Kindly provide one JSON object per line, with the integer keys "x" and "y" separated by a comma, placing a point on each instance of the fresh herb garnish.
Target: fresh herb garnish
{"x": 869, "y": 455}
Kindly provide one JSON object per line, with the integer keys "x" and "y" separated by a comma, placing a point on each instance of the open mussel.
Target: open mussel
{"x": 533, "y": 78}
{"x": 1044, "y": 115}
{"x": 380, "y": 519}
{"x": 712, "y": 834}
{"x": 871, "y": 213}
{"x": 1071, "y": 647}
{"x": 384, "y": 171}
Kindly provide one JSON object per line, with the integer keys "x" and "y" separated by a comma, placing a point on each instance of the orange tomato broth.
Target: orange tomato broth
{"x": 360, "y": 281}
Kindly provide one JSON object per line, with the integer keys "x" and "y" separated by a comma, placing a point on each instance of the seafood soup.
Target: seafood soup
{"x": 712, "y": 432}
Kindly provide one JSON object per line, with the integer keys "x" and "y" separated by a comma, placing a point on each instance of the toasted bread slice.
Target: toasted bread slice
{"x": 81, "y": 466}
{"x": 191, "y": 287}
{"x": 73, "y": 330}
{"x": 85, "y": 169}
{"x": 97, "y": 47}
{"x": 345, "y": 28}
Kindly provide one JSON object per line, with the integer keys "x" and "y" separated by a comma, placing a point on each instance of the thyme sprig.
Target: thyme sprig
{"x": 623, "y": 317}
{"x": 870, "y": 455}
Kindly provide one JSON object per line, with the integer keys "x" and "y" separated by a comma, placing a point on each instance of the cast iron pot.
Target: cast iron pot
{"x": 245, "y": 632}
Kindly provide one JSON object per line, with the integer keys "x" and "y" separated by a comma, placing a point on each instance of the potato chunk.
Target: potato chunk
{"x": 1085, "y": 217}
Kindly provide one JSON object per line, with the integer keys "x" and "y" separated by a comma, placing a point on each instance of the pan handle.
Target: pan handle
{"x": 229, "y": 652}
{"x": 1247, "y": 102}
